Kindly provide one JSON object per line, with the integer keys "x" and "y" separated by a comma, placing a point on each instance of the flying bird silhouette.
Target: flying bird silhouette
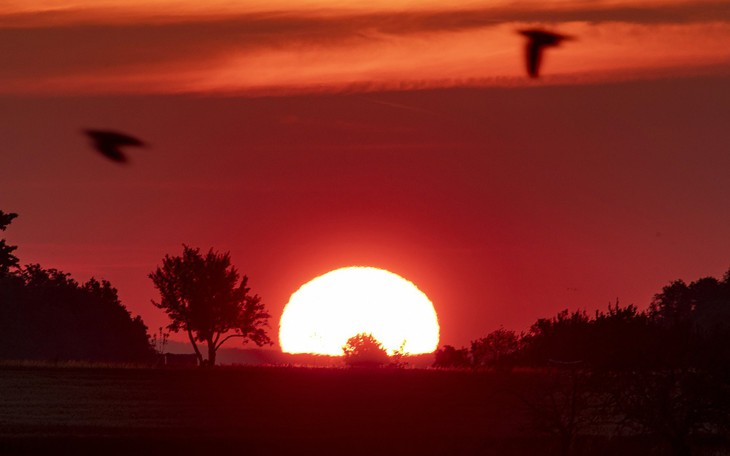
{"x": 108, "y": 143}
{"x": 537, "y": 41}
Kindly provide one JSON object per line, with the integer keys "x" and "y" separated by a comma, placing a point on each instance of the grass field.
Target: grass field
{"x": 270, "y": 411}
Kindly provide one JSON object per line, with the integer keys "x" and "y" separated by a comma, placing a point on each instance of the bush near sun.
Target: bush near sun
{"x": 364, "y": 350}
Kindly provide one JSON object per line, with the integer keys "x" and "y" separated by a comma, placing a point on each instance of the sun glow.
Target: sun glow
{"x": 333, "y": 307}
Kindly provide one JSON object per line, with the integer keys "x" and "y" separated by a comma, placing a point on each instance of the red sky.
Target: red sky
{"x": 400, "y": 135}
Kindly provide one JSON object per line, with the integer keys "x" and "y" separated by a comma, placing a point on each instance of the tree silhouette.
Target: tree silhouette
{"x": 46, "y": 315}
{"x": 202, "y": 295}
{"x": 621, "y": 338}
{"x": 663, "y": 372}
{"x": 364, "y": 350}
{"x": 693, "y": 324}
{"x": 495, "y": 350}
{"x": 448, "y": 356}
{"x": 564, "y": 338}
{"x": 7, "y": 259}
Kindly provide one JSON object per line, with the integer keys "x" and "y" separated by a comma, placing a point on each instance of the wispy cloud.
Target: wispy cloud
{"x": 141, "y": 50}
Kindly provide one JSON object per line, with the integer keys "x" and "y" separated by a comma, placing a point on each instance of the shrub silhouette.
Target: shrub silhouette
{"x": 448, "y": 356}
{"x": 364, "y": 350}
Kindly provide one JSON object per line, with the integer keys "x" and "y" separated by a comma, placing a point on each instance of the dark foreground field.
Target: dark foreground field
{"x": 271, "y": 411}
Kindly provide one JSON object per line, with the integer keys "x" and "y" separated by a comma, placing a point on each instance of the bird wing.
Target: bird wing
{"x": 533, "y": 55}
{"x": 111, "y": 152}
{"x": 114, "y": 137}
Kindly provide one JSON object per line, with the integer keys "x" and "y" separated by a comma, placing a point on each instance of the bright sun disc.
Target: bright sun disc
{"x": 333, "y": 307}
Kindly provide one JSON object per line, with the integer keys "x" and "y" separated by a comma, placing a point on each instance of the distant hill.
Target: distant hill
{"x": 267, "y": 356}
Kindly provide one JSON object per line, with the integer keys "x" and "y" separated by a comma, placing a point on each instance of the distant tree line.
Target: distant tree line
{"x": 686, "y": 326}
{"x": 47, "y": 315}
{"x": 662, "y": 373}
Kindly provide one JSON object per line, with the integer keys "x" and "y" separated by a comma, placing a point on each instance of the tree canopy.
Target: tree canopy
{"x": 46, "y": 315}
{"x": 497, "y": 349}
{"x": 205, "y": 296}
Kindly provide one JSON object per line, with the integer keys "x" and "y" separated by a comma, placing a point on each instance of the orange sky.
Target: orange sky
{"x": 178, "y": 46}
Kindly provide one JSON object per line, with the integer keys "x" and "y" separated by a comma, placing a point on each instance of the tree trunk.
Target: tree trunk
{"x": 195, "y": 347}
{"x": 211, "y": 353}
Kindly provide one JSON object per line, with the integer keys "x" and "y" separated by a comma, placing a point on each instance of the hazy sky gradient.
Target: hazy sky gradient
{"x": 392, "y": 134}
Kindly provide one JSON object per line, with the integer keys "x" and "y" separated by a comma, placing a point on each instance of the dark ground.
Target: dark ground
{"x": 271, "y": 411}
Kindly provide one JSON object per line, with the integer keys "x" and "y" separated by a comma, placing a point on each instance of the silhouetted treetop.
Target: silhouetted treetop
{"x": 7, "y": 259}
{"x": 562, "y": 338}
{"x": 678, "y": 304}
{"x": 34, "y": 275}
{"x": 694, "y": 323}
{"x": 496, "y": 350}
{"x": 5, "y": 219}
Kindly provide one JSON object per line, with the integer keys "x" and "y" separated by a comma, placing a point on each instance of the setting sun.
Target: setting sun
{"x": 333, "y": 307}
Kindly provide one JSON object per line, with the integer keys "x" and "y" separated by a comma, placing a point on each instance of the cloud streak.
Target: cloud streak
{"x": 82, "y": 50}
